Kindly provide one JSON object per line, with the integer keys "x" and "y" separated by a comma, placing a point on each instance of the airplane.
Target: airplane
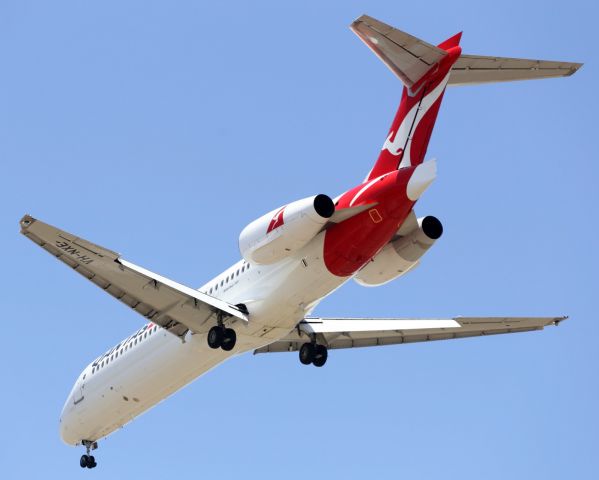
{"x": 292, "y": 258}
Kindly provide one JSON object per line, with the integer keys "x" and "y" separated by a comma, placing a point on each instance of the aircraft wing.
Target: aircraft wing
{"x": 369, "y": 332}
{"x": 173, "y": 306}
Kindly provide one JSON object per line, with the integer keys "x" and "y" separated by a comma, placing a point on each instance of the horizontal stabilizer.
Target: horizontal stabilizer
{"x": 411, "y": 58}
{"x": 476, "y": 69}
{"x": 408, "y": 57}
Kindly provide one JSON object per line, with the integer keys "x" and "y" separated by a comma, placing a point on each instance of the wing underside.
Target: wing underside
{"x": 338, "y": 333}
{"x": 173, "y": 306}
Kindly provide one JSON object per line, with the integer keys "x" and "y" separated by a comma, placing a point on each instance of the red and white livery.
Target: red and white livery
{"x": 293, "y": 257}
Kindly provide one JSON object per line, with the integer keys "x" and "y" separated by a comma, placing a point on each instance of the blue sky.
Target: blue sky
{"x": 159, "y": 129}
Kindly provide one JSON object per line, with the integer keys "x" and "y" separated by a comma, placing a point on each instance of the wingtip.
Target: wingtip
{"x": 26, "y": 222}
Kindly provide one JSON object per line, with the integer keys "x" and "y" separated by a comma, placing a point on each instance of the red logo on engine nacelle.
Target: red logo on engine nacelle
{"x": 277, "y": 220}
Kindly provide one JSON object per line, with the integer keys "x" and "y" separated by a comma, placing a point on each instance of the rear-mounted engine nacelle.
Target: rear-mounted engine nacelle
{"x": 285, "y": 230}
{"x": 399, "y": 256}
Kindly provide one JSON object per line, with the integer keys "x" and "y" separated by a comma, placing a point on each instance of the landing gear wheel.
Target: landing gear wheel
{"x": 87, "y": 461}
{"x": 228, "y": 340}
{"x": 215, "y": 337}
{"x": 320, "y": 356}
{"x": 306, "y": 353}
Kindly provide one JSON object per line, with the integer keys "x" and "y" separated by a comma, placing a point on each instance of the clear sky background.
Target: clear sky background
{"x": 160, "y": 129}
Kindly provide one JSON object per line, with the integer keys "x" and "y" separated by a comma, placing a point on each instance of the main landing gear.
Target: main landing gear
{"x": 87, "y": 460}
{"x": 312, "y": 353}
{"x": 221, "y": 337}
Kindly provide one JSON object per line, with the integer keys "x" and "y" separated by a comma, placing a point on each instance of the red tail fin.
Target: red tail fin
{"x": 424, "y": 70}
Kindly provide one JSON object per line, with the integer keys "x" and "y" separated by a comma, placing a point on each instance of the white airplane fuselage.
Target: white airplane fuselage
{"x": 150, "y": 366}
{"x": 293, "y": 256}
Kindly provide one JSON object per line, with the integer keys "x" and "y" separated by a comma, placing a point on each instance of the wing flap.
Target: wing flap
{"x": 171, "y": 305}
{"x": 338, "y": 333}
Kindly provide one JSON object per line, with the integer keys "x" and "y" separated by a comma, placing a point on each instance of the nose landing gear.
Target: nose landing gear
{"x": 313, "y": 353}
{"x": 87, "y": 460}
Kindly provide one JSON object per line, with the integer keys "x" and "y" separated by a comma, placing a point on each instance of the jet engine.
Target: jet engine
{"x": 285, "y": 230}
{"x": 401, "y": 255}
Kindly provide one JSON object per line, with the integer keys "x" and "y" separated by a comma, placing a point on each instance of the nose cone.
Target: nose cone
{"x": 423, "y": 176}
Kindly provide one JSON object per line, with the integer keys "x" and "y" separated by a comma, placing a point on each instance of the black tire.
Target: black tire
{"x": 320, "y": 356}
{"x": 229, "y": 340}
{"x": 83, "y": 461}
{"x": 215, "y": 337}
{"x": 306, "y": 353}
{"x": 91, "y": 462}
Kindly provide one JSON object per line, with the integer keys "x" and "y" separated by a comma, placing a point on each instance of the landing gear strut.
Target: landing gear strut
{"x": 312, "y": 353}
{"x": 221, "y": 337}
{"x": 87, "y": 460}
